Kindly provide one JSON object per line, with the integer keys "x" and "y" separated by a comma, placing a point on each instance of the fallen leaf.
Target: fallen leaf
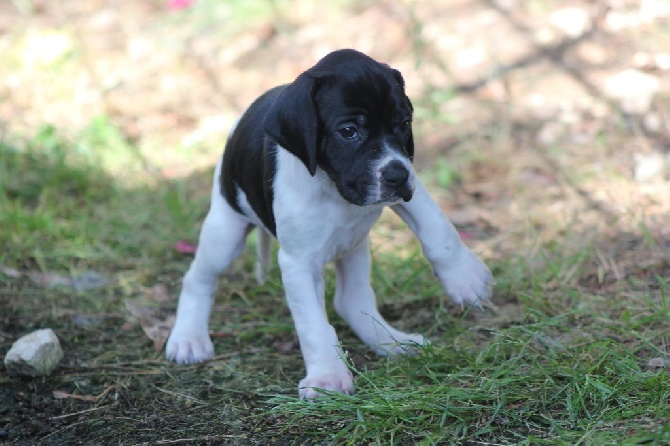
{"x": 139, "y": 311}
{"x": 178, "y": 5}
{"x": 159, "y": 331}
{"x": 157, "y": 293}
{"x": 186, "y": 247}
{"x": 156, "y": 327}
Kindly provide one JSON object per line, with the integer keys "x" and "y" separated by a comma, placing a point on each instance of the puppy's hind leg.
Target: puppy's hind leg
{"x": 263, "y": 251}
{"x": 355, "y": 302}
{"x": 222, "y": 239}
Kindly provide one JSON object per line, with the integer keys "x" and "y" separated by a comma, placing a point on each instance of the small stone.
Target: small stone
{"x": 658, "y": 363}
{"x": 35, "y": 354}
{"x": 633, "y": 89}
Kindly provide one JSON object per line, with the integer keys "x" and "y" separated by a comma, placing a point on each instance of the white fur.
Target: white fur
{"x": 189, "y": 340}
{"x": 315, "y": 225}
{"x": 464, "y": 277}
{"x": 263, "y": 251}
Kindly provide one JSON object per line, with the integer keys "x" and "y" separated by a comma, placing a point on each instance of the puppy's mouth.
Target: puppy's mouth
{"x": 386, "y": 196}
{"x": 405, "y": 194}
{"x": 372, "y": 193}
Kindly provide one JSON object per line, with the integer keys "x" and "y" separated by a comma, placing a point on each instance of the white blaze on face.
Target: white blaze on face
{"x": 376, "y": 192}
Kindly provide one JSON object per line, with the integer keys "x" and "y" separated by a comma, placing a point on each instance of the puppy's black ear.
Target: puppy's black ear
{"x": 398, "y": 77}
{"x": 292, "y": 120}
{"x": 410, "y": 142}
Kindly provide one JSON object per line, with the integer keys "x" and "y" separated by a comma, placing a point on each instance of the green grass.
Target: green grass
{"x": 515, "y": 390}
{"x": 573, "y": 371}
{"x": 571, "y": 368}
{"x": 64, "y": 203}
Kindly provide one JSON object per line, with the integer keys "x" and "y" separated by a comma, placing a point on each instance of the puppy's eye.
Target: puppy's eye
{"x": 348, "y": 132}
{"x": 405, "y": 125}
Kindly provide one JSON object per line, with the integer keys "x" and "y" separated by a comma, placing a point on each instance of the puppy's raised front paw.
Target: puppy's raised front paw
{"x": 189, "y": 347}
{"x": 336, "y": 380}
{"x": 467, "y": 280}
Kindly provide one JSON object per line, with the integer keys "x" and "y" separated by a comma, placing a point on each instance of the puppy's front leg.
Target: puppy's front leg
{"x": 303, "y": 283}
{"x": 464, "y": 277}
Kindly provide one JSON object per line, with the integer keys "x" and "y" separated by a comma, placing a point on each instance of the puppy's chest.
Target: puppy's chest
{"x": 312, "y": 219}
{"x": 325, "y": 231}
{"x": 346, "y": 233}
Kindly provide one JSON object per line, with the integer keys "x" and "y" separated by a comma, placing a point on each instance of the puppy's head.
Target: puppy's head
{"x": 349, "y": 116}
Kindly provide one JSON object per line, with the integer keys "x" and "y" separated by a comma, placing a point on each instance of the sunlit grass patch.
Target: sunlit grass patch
{"x": 63, "y": 208}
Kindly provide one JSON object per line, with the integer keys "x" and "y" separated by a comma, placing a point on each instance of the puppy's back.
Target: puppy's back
{"x": 249, "y": 162}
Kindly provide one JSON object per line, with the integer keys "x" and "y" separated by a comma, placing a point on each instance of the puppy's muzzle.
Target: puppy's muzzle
{"x": 395, "y": 179}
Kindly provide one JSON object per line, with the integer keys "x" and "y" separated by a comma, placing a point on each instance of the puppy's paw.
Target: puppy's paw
{"x": 338, "y": 379}
{"x": 467, "y": 280}
{"x": 188, "y": 347}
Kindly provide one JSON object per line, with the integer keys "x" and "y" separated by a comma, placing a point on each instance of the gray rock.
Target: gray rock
{"x": 35, "y": 354}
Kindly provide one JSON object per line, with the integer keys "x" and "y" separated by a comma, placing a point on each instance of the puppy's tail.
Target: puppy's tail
{"x": 263, "y": 250}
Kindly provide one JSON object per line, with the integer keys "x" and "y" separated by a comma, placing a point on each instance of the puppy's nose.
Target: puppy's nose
{"x": 395, "y": 174}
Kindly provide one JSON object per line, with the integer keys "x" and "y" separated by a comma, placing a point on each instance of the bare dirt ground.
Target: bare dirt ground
{"x": 548, "y": 120}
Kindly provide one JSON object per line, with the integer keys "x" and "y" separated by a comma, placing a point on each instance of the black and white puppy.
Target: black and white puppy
{"x": 313, "y": 163}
